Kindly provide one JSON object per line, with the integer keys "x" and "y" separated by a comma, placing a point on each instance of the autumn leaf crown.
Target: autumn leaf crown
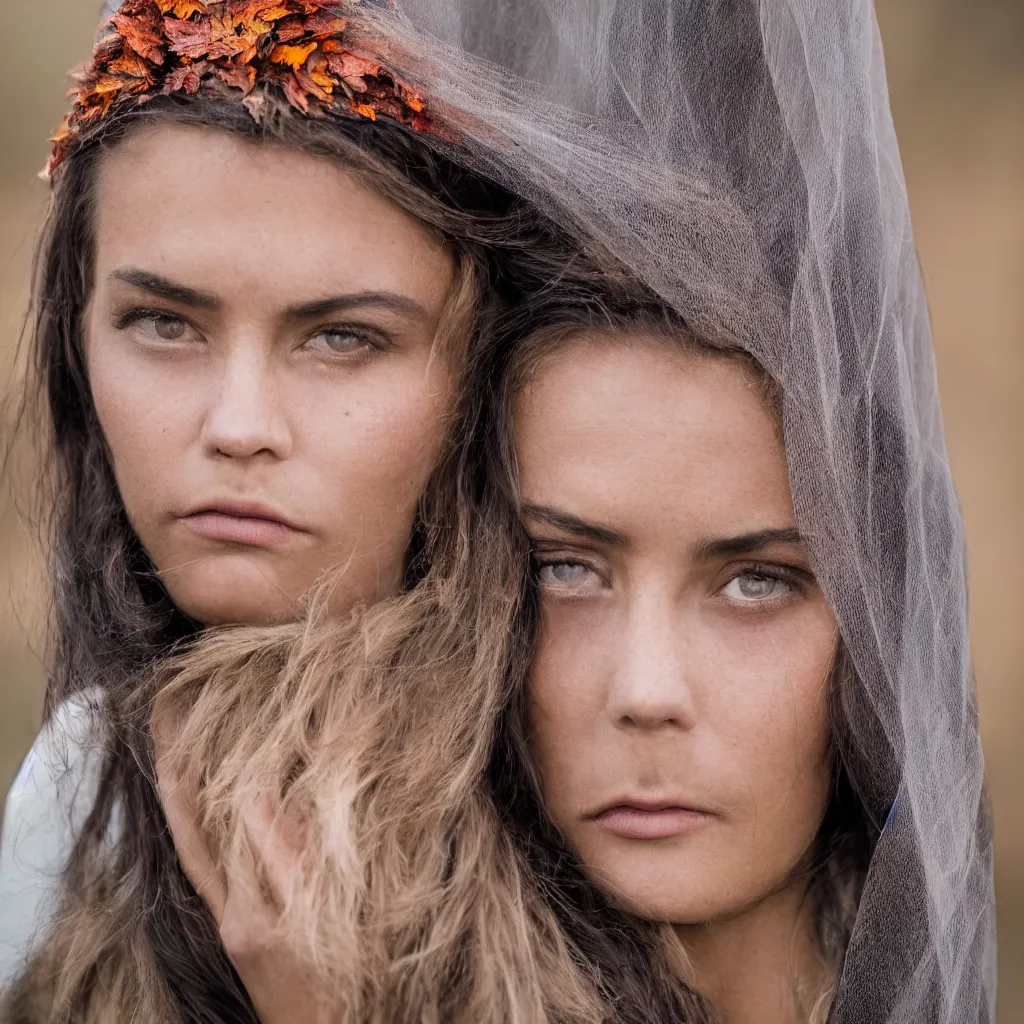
{"x": 164, "y": 47}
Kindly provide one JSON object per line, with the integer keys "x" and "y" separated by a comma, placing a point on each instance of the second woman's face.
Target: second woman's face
{"x": 678, "y": 699}
{"x": 260, "y": 348}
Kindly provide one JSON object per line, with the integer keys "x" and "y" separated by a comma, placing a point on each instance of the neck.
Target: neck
{"x": 760, "y": 966}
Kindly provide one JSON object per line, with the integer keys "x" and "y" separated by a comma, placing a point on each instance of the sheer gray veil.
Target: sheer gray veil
{"x": 739, "y": 156}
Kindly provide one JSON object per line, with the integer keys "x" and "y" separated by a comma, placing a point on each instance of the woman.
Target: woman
{"x": 740, "y": 160}
{"x": 255, "y": 301}
{"x": 683, "y": 717}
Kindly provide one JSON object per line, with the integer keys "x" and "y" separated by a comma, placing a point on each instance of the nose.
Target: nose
{"x": 652, "y": 685}
{"x": 245, "y": 419}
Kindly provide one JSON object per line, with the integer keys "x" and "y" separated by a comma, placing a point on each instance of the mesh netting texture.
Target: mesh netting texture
{"x": 740, "y": 157}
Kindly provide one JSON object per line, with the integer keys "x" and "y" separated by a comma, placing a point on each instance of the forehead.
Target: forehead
{"x": 639, "y": 434}
{"x": 203, "y": 207}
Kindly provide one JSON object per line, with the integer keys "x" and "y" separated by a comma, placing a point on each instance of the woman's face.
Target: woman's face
{"x": 260, "y": 347}
{"x": 678, "y": 698}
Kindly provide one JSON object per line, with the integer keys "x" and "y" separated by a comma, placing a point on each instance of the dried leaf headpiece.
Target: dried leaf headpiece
{"x": 162, "y": 47}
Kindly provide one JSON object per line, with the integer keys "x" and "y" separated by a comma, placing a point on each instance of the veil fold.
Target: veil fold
{"x": 739, "y": 156}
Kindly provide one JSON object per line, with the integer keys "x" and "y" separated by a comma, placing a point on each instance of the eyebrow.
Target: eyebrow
{"x": 747, "y": 543}
{"x": 573, "y": 524}
{"x": 392, "y": 301}
{"x": 721, "y": 547}
{"x": 174, "y": 292}
{"x": 156, "y": 285}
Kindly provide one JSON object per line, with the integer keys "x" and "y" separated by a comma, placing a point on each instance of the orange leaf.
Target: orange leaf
{"x": 414, "y": 102}
{"x": 183, "y": 9}
{"x": 313, "y": 87}
{"x": 107, "y": 84}
{"x": 293, "y": 56}
{"x": 64, "y": 131}
{"x": 141, "y": 36}
{"x": 129, "y": 64}
{"x": 275, "y": 13}
{"x": 365, "y": 110}
{"x": 317, "y": 69}
{"x": 98, "y": 109}
{"x": 238, "y": 35}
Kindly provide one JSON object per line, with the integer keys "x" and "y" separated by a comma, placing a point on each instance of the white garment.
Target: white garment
{"x": 48, "y": 803}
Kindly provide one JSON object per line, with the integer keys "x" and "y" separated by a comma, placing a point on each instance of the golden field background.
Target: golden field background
{"x": 957, "y": 78}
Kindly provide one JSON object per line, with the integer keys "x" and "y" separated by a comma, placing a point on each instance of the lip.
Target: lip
{"x": 249, "y": 523}
{"x": 651, "y": 819}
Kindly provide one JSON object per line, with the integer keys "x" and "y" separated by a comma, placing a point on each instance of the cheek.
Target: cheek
{"x": 567, "y": 700}
{"x": 771, "y": 714}
{"x": 148, "y": 416}
{"x": 370, "y": 455}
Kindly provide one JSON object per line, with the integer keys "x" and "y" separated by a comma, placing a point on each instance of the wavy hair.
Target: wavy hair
{"x": 835, "y": 868}
{"x": 131, "y": 939}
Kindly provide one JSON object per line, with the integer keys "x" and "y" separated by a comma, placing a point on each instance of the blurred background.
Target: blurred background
{"x": 956, "y": 74}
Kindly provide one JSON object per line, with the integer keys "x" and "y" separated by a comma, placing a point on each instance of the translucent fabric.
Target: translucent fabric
{"x": 739, "y": 156}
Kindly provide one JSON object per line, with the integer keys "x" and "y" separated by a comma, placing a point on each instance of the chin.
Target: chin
{"x": 672, "y": 891}
{"x": 233, "y": 598}
{"x": 662, "y": 903}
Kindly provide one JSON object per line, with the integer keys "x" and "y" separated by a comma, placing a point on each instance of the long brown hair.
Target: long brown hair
{"x": 835, "y": 869}
{"x": 131, "y": 937}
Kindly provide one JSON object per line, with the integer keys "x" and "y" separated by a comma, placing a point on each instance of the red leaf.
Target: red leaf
{"x": 348, "y": 65}
{"x": 108, "y": 48}
{"x": 188, "y": 38}
{"x": 289, "y": 30}
{"x": 142, "y": 36}
{"x": 139, "y": 9}
{"x": 295, "y": 93}
{"x": 323, "y": 25}
{"x": 189, "y": 77}
{"x": 313, "y": 87}
{"x": 243, "y": 78}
